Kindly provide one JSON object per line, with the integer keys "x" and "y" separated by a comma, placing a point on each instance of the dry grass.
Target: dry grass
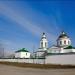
{"x": 41, "y": 66}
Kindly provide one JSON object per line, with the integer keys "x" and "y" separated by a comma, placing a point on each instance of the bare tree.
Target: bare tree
{"x": 1, "y": 50}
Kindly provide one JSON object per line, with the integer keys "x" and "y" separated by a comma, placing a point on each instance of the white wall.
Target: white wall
{"x": 36, "y": 61}
{"x": 66, "y": 59}
{"x": 61, "y": 59}
{"x": 40, "y": 53}
{"x": 67, "y": 50}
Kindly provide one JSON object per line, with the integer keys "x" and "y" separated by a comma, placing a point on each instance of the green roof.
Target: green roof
{"x": 69, "y": 47}
{"x": 50, "y": 54}
{"x": 22, "y": 50}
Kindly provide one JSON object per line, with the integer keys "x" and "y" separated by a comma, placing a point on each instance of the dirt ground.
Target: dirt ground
{"x": 11, "y": 70}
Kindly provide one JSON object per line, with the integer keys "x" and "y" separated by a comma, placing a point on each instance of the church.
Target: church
{"x": 63, "y": 46}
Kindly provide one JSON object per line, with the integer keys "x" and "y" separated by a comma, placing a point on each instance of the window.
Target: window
{"x": 60, "y": 42}
{"x": 68, "y": 42}
{"x": 65, "y": 42}
{"x": 42, "y": 44}
{"x": 26, "y": 53}
{"x": 45, "y": 44}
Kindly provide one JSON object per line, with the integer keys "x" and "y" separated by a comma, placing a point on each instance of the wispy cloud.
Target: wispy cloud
{"x": 32, "y": 27}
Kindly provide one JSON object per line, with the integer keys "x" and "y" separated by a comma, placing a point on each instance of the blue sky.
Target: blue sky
{"x": 23, "y": 22}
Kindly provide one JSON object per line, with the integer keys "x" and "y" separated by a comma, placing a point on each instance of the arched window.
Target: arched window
{"x": 60, "y": 42}
{"x": 65, "y": 42}
{"x": 26, "y": 53}
{"x": 68, "y": 42}
{"x": 45, "y": 44}
{"x": 42, "y": 44}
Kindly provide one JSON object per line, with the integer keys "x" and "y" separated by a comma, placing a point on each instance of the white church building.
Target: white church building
{"x": 63, "y": 46}
{"x": 62, "y": 53}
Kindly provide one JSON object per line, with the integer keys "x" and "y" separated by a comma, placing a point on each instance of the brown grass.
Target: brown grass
{"x": 40, "y": 66}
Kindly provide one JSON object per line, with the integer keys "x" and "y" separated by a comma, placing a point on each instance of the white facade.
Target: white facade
{"x": 22, "y": 55}
{"x": 40, "y": 54}
{"x": 43, "y": 42}
{"x": 43, "y": 47}
{"x": 63, "y": 46}
{"x": 63, "y": 40}
{"x": 54, "y": 49}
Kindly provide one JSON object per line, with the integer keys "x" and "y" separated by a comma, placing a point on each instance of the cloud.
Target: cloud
{"x": 22, "y": 21}
{"x": 35, "y": 28}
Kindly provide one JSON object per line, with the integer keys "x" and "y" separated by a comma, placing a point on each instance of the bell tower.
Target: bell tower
{"x": 43, "y": 42}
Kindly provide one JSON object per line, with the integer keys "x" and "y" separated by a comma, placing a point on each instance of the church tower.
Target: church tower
{"x": 44, "y": 42}
{"x": 63, "y": 40}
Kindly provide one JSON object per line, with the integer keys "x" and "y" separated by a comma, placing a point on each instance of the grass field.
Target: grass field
{"x": 41, "y": 66}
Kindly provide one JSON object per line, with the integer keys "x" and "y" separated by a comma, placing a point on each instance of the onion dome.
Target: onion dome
{"x": 63, "y": 40}
{"x": 63, "y": 35}
{"x": 43, "y": 36}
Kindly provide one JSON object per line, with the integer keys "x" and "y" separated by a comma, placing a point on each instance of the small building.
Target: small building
{"x": 22, "y": 53}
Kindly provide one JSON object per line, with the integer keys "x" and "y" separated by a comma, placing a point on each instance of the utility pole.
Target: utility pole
{"x": 45, "y": 56}
{"x": 33, "y": 54}
{"x": 1, "y": 51}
